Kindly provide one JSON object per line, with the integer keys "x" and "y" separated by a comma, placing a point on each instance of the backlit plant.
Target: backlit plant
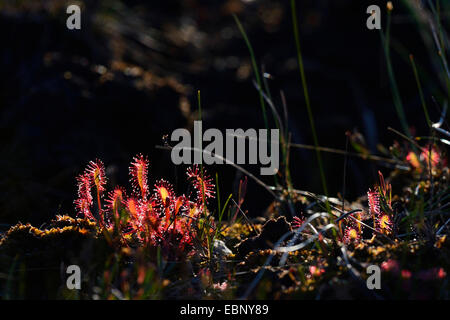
{"x": 158, "y": 218}
{"x": 352, "y": 231}
{"x": 430, "y": 159}
{"x": 380, "y": 210}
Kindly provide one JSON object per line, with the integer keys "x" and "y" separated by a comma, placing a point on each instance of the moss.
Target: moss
{"x": 35, "y": 259}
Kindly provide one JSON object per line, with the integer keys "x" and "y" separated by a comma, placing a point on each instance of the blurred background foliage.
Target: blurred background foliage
{"x": 130, "y": 76}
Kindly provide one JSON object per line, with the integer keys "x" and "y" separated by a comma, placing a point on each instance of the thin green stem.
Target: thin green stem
{"x": 201, "y": 162}
{"x": 394, "y": 88}
{"x": 255, "y": 67}
{"x": 419, "y": 86}
{"x": 307, "y": 100}
{"x": 205, "y": 213}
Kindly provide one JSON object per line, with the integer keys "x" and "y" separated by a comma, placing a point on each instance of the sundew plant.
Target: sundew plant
{"x": 146, "y": 216}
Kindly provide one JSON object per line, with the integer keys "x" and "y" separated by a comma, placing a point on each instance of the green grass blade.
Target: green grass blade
{"x": 255, "y": 67}
{"x": 307, "y": 100}
{"x": 394, "y": 88}
{"x": 419, "y": 86}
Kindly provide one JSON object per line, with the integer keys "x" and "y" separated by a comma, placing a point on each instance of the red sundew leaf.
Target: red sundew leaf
{"x": 431, "y": 155}
{"x": 163, "y": 192}
{"x": 384, "y": 223}
{"x": 139, "y": 175}
{"x": 297, "y": 222}
{"x": 133, "y": 208}
{"x": 96, "y": 170}
{"x": 84, "y": 187}
{"x": 242, "y": 189}
{"x": 116, "y": 199}
{"x": 374, "y": 202}
{"x": 180, "y": 204}
{"x": 83, "y": 208}
{"x": 85, "y": 200}
{"x": 204, "y": 186}
{"x": 351, "y": 235}
{"x": 382, "y": 183}
{"x": 115, "y": 202}
{"x": 412, "y": 159}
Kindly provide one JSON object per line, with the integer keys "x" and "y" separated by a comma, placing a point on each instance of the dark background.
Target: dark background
{"x": 131, "y": 74}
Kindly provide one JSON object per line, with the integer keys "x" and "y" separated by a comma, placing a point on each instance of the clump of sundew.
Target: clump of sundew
{"x": 159, "y": 218}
